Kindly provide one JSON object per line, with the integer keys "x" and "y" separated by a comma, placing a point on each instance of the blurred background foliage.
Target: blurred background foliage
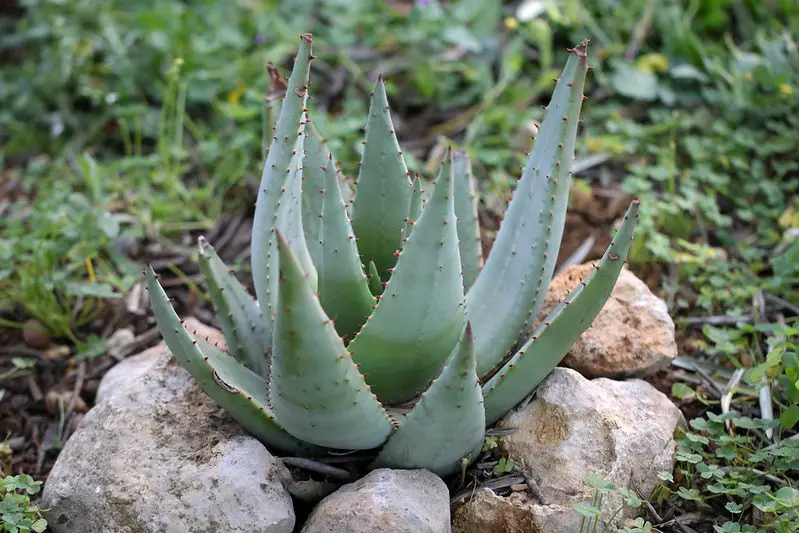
{"x": 123, "y": 122}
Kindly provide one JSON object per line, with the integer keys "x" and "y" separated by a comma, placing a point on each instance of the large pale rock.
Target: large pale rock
{"x": 127, "y": 371}
{"x": 633, "y": 335}
{"x": 621, "y": 430}
{"x": 385, "y": 501}
{"x": 159, "y": 455}
{"x": 135, "y": 365}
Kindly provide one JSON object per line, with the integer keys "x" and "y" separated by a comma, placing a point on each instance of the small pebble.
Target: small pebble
{"x": 36, "y": 335}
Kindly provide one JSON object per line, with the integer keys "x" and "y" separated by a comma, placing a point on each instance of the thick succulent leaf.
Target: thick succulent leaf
{"x": 375, "y": 283}
{"x": 313, "y": 185}
{"x": 289, "y": 222}
{"x": 233, "y": 386}
{"x": 446, "y": 424}
{"x": 416, "y": 207}
{"x": 383, "y": 189}
{"x": 342, "y": 284}
{"x": 248, "y": 337}
{"x": 419, "y": 316}
{"x": 316, "y": 390}
{"x": 511, "y": 286}
{"x": 344, "y": 291}
{"x": 276, "y": 170}
{"x": 552, "y": 340}
{"x": 468, "y": 222}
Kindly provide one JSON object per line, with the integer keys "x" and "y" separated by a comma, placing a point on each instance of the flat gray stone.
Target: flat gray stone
{"x": 385, "y": 501}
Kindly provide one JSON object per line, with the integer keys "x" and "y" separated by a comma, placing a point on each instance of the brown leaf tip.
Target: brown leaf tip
{"x": 581, "y": 50}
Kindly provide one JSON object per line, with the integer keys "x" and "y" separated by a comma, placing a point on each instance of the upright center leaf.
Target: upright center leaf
{"x": 383, "y": 190}
{"x": 421, "y": 314}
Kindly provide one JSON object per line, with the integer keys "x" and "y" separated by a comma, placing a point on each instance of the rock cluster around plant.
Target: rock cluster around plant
{"x": 157, "y": 454}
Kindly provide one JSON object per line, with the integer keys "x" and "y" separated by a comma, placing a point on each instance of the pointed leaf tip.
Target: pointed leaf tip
{"x": 511, "y": 286}
{"x": 288, "y": 131}
{"x": 582, "y": 48}
{"x": 383, "y": 188}
{"x": 316, "y": 389}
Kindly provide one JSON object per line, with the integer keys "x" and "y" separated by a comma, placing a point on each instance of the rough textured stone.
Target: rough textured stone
{"x": 621, "y": 430}
{"x": 135, "y": 365}
{"x": 633, "y": 335}
{"x": 159, "y": 455}
{"x": 385, "y": 501}
{"x": 514, "y": 514}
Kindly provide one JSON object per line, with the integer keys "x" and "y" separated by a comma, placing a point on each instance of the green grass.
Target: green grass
{"x": 128, "y": 123}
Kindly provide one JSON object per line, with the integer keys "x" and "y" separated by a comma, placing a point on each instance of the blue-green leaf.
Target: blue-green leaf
{"x": 316, "y": 390}
{"x": 419, "y": 316}
{"x": 383, "y": 189}
{"x": 511, "y": 286}
{"x": 551, "y": 341}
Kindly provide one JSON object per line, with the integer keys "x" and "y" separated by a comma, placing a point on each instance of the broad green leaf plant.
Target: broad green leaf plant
{"x": 376, "y": 323}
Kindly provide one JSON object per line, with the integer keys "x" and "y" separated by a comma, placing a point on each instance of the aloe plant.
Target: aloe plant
{"x": 376, "y": 324}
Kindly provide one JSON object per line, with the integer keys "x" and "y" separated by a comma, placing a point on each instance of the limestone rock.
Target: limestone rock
{"x": 127, "y": 371}
{"x": 621, "y": 430}
{"x": 135, "y": 365}
{"x": 385, "y": 501}
{"x": 159, "y": 455}
{"x": 488, "y": 512}
{"x": 633, "y": 335}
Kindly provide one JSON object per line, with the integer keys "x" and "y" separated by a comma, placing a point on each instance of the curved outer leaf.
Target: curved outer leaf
{"x": 247, "y": 335}
{"x": 232, "y": 385}
{"x": 511, "y": 286}
{"x": 554, "y": 337}
{"x": 343, "y": 286}
{"x": 420, "y": 314}
{"x": 468, "y": 222}
{"x": 276, "y": 170}
{"x": 316, "y": 391}
{"x": 383, "y": 189}
{"x": 446, "y": 424}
